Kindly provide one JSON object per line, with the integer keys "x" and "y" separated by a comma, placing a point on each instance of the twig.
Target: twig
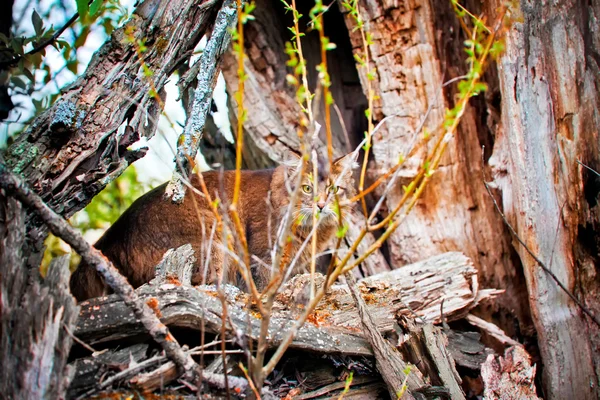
{"x": 360, "y": 380}
{"x": 81, "y": 342}
{"x": 590, "y": 168}
{"x": 540, "y": 262}
{"x": 15, "y": 186}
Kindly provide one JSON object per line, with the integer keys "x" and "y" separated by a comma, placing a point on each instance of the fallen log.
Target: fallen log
{"x": 415, "y": 291}
{"x": 335, "y": 327}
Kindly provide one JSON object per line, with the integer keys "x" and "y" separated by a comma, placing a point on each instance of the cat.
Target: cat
{"x": 137, "y": 241}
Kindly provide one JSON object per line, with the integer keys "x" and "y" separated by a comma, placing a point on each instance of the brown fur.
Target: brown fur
{"x": 136, "y": 242}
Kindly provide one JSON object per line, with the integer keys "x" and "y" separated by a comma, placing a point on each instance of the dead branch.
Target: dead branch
{"x": 35, "y": 315}
{"x": 335, "y": 326}
{"x": 492, "y": 330}
{"x": 160, "y": 333}
{"x": 209, "y": 68}
{"x": 389, "y": 362}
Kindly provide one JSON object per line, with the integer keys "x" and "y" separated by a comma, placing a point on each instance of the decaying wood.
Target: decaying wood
{"x": 491, "y": 330}
{"x": 335, "y": 326}
{"x": 437, "y": 343}
{"x": 88, "y": 369}
{"x": 416, "y": 46}
{"x": 510, "y": 377}
{"x": 467, "y": 350}
{"x": 73, "y": 150}
{"x": 35, "y": 315}
{"x": 176, "y": 265}
{"x": 548, "y": 197}
{"x": 389, "y": 362}
{"x": 14, "y": 186}
{"x": 446, "y": 276}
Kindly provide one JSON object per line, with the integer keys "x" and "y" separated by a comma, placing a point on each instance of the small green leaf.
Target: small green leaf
{"x": 95, "y": 7}
{"x": 38, "y": 24}
{"x": 330, "y": 46}
{"x": 341, "y": 232}
{"x": 82, "y": 8}
{"x": 291, "y": 80}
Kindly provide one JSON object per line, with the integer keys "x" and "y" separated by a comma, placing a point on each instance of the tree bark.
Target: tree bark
{"x": 36, "y": 317}
{"x": 74, "y": 149}
{"x": 549, "y": 77}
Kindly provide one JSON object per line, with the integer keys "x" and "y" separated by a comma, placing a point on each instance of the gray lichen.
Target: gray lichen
{"x": 187, "y": 147}
{"x": 64, "y": 117}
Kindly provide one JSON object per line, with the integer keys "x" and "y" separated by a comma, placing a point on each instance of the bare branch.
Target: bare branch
{"x": 58, "y": 226}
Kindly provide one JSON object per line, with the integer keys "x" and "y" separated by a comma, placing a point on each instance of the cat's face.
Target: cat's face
{"x": 321, "y": 191}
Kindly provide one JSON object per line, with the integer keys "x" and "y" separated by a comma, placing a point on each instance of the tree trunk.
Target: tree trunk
{"x": 549, "y": 77}
{"x": 538, "y": 117}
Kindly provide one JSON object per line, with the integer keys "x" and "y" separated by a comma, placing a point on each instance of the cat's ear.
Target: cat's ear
{"x": 348, "y": 162}
{"x": 292, "y": 160}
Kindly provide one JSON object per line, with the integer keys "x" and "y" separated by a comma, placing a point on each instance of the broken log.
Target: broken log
{"x": 334, "y": 327}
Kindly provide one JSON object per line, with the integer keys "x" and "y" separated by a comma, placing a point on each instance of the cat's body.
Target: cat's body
{"x": 137, "y": 241}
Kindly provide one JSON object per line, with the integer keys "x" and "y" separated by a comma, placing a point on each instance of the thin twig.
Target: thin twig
{"x": 81, "y": 342}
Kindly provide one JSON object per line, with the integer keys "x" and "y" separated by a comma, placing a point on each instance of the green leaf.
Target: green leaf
{"x": 341, "y": 232}
{"x": 330, "y": 46}
{"x": 82, "y": 8}
{"x": 95, "y": 7}
{"x": 38, "y": 24}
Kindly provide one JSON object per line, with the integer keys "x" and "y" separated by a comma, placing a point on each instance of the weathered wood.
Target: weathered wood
{"x": 549, "y": 78}
{"x": 437, "y": 343}
{"x": 467, "y": 350}
{"x": 511, "y": 377}
{"x": 177, "y": 266}
{"x": 35, "y": 317}
{"x": 89, "y": 370}
{"x": 73, "y": 150}
{"x": 390, "y": 364}
{"x": 335, "y": 326}
{"x": 209, "y": 66}
{"x": 416, "y": 46}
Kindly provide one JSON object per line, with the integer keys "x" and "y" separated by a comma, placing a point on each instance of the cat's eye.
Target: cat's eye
{"x": 334, "y": 189}
{"x": 307, "y": 189}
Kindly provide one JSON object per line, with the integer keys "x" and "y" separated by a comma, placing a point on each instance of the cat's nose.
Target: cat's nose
{"x": 321, "y": 204}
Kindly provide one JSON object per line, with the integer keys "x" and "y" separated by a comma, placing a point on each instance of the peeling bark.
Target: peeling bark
{"x": 550, "y": 117}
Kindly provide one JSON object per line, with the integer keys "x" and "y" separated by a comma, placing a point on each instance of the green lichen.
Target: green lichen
{"x": 20, "y": 155}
